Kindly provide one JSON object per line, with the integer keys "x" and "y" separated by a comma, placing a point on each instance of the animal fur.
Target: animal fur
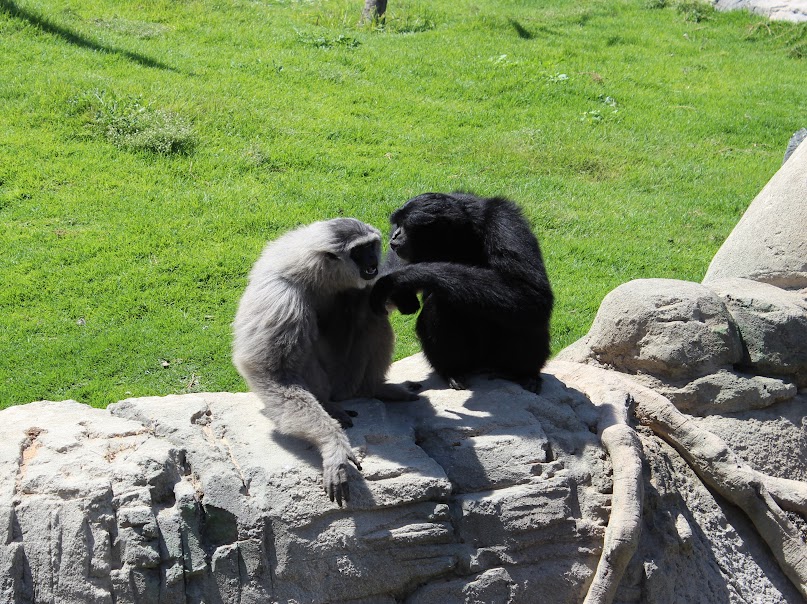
{"x": 304, "y": 336}
{"x": 487, "y": 300}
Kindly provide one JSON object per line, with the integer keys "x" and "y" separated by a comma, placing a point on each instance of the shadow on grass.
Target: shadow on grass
{"x": 522, "y": 32}
{"x": 12, "y": 9}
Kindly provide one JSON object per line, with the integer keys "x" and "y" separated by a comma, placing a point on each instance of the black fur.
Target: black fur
{"x": 486, "y": 296}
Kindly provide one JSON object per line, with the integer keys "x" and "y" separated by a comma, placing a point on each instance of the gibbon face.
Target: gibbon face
{"x": 366, "y": 257}
{"x": 356, "y": 251}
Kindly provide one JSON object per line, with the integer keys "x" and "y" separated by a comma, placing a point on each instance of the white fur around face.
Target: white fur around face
{"x": 317, "y": 255}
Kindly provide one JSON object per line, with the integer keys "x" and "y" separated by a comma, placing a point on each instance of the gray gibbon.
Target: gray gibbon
{"x": 304, "y": 337}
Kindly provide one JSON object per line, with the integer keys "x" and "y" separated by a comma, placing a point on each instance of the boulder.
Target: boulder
{"x": 493, "y": 494}
{"x": 769, "y": 243}
{"x": 776, "y": 10}
{"x": 661, "y": 327}
{"x": 723, "y": 391}
{"x": 729, "y": 345}
{"x": 196, "y": 498}
{"x": 773, "y": 326}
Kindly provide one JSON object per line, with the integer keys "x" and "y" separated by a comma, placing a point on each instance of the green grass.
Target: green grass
{"x": 148, "y": 150}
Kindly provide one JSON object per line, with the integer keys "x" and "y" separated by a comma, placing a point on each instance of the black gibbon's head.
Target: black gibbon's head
{"x": 435, "y": 227}
{"x": 353, "y": 253}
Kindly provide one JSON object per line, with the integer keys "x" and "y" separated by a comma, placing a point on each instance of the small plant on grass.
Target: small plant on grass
{"x": 129, "y": 124}
{"x": 799, "y": 51}
{"x": 407, "y": 22}
{"x": 695, "y": 11}
{"x": 320, "y": 41}
{"x": 792, "y": 38}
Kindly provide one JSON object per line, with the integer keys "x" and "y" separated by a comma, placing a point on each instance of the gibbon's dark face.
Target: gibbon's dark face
{"x": 366, "y": 257}
{"x": 435, "y": 227}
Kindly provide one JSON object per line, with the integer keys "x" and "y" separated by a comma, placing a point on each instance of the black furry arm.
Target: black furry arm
{"x": 461, "y": 286}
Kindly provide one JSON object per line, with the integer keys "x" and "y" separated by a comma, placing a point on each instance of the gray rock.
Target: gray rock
{"x": 776, "y": 10}
{"x": 766, "y": 438}
{"x": 769, "y": 243}
{"x": 196, "y": 498}
{"x": 723, "y": 391}
{"x": 795, "y": 140}
{"x": 773, "y": 326}
{"x": 663, "y": 327}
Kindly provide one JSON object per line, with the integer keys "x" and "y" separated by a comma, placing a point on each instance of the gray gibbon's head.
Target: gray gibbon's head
{"x": 355, "y": 247}
{"x": 330, "y": 255}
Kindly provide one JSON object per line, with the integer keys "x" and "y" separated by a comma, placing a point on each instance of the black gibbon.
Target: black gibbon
{"x": 487, "y": 300}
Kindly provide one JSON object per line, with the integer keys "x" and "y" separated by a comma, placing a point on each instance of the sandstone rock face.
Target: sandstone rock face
{"x": 488, "y": 495}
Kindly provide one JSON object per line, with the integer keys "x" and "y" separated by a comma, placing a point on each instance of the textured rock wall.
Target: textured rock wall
{"x": 492, "y": 495}
{"x": 194, "y": 498}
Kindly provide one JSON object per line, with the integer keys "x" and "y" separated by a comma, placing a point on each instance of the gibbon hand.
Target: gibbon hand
{"x": 402, "y": 297}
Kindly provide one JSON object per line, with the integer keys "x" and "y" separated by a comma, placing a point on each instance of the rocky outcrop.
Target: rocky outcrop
{"x": 664, "y": 461}
{"x": 725, "y": 348}
{"x": 776, "y": 10}
{"x": 490, "y": 495}
{"x": 768, "y": 244}
{"x": 195, "y": 498}
{"x": 736, "y": 345}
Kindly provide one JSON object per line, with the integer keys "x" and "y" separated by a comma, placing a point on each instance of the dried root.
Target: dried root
{"x": 622, "y": 444}
{"x": 622, "y": 534}
{"x": 760, "y": 496}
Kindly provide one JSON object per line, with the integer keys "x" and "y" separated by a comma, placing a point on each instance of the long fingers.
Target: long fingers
{"x": 337, "y": 486}
{"x": 355, "y": 461}
{"x": 335, "y": 479}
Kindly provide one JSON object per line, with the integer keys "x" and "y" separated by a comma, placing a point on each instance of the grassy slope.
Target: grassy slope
{"x": 633, "y": 137}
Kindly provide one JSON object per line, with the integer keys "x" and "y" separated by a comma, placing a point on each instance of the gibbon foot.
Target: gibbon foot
{"x": 531, "y": 384}
{"x": 456, "y": 383}
{"x": 336, "y": 484}
{"x": 407, "y": 391}
{"x": 335, "y": 475}
{"x": 341, "y": 415}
